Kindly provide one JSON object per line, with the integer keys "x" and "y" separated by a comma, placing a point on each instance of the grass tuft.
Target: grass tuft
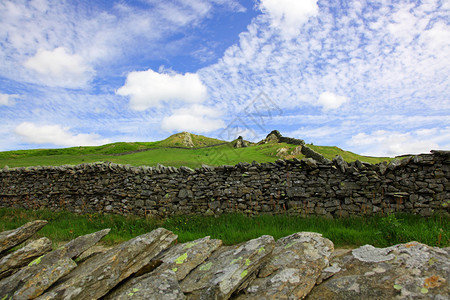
{"x": 235, "y": 228}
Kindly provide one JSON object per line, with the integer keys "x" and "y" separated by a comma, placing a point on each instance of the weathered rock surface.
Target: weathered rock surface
{"x": 154, "y": 287}
{"x": 37, "y": 276}
{"x": 183, "y": 258}
{"x": 45, "y": 270}
{"x": 12, "y": 238}
{"x": 96, "y": 276}
{"x": 227, "y": 270}
{"x": 297, "y": 266}
{"x": 77, "y": 246}
{"x": 187, "y": 140}
{"x": 20, "y": 258}
{"x": 404, "y": 271}
{"x": 293, "y": 268}
{"x": 240, "y": 143}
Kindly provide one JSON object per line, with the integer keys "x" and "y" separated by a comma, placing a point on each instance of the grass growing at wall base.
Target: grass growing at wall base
{"x": 232, "y": 229}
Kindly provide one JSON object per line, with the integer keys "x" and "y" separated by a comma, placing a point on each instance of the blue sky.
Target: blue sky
{"x": 371, "y": 77}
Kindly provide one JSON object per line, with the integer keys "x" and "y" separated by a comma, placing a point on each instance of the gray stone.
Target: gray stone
{"x": 183, "y": 258}
{"x": 37, "y": 276}
{"x": 293, "y": 268}
{"x": 99, "y": 274}
{"x": 153, "y": 287}
{"x": 227, "y": 270}
{"x": 12, "y": 238}
{"x": 340, "y": 163}
{"x": 404, "y": 271}
{"x": 10, "y": 263}
{"x": 77, "y": 246}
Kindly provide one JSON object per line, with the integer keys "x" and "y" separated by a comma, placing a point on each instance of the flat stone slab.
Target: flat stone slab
{"x": 292, "y": 269}
{"x": 183, "y": 258}
{"x": 37, "y": 276}
{"x": 11, "y": 238}
{"x": 96, "y": 276}
{"x": 45, "y": 270}
{"x": 154, "y": 287}
{"x": 405, "y": 271}
{"x": 20, "y": 258}
{"x": 227, "y": 270}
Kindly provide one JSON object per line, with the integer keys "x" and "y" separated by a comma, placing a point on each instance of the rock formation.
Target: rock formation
{"x": 240, "y": 143}
{"x": 187, "y": 140}
{"x": 149, "y": 266}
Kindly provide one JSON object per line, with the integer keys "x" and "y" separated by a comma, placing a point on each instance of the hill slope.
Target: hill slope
{"x": 177, "y": 150}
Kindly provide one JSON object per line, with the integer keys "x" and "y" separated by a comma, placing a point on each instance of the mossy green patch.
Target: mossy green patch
{"x": 290, "y": 245}
{"x": 261, "y": 250}
{"x": 244, "y": 273}
{"x": 236, "y": 260}
{"x": 181, "y": 259}
{"x": 206, "y": 267}
{"x": 190, "y": 245}
{"x": 36, "y": 261}
{"x": 397, "y": 287}
{"x": 247, "y": 262}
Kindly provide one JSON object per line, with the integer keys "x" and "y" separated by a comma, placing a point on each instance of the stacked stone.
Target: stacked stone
{"x": 417, "y": 184}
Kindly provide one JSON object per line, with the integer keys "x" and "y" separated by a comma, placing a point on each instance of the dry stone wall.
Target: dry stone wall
{"x": 418, "y": 184}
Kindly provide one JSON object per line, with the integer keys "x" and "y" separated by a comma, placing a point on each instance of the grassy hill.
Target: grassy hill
{"x": 169, "y": 152}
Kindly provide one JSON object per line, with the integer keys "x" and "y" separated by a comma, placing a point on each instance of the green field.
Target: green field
{"x": 168, "y": 152}
{"x": 380, "y": 231}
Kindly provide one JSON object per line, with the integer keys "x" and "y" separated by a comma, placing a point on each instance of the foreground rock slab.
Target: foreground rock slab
{"x": 45, "y": 270}
{"x": 39, "y": 275}
{"x": 12, "y": 238}
{"x": 293, "y": 268}
{"x": 154, "y": 287}
{"x": 20, "y": 258}
{"x": 405, "y": 271}
{"x": 227, "y": 270}
{"x": 96, "y": 276}
{"x": 183, "y": 258}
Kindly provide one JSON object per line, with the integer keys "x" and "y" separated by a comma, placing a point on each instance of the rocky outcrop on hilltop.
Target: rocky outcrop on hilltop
{"x": 187, "y": 140}
{"x": 154, "y": 266}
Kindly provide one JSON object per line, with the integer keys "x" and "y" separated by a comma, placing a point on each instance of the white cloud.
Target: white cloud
{"x": 60, "y": 68}
{"x": 196, "y": 118}
{"x": 56, "y": 135}
{"x": 7, "y": 99}
{"x": 149, "y": 88}
{"x": 392, "y": 143}
{"x": 331, "y": 101}
{"x": 289, "y": 15}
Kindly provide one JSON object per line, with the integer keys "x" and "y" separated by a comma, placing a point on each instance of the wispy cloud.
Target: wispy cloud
{"x": 377, "y": 59}
{"x": 392, "y": 143}
{"x": 7, "y": 99}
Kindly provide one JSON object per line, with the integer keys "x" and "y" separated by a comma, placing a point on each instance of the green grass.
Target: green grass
{"x": 219, "y": 155}
{"x": 330, "y": 152}
{"x": 194, "y": 158}
{"x": 232, "y": 229}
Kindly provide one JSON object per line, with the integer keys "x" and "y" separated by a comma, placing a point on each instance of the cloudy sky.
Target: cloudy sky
{"x": 371, "y": 77}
